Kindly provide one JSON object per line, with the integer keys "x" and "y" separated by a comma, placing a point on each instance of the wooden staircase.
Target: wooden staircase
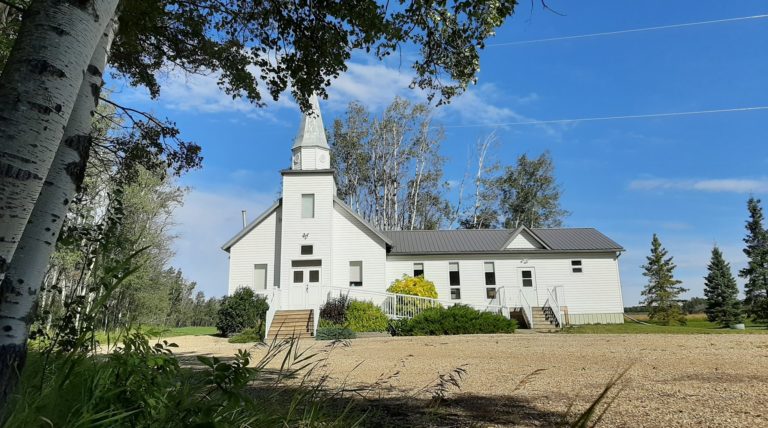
{"x": 544, "y": 321}
{"x": 294, "y": 323}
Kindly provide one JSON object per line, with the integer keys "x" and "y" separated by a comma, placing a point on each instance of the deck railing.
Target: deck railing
{"x": 511, "y": 297}
{"x": 399, "y": 305}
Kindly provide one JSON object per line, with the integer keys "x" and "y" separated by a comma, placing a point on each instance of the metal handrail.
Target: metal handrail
{"x": 554, "y": 305}
{"x": 522, "y": 302}
{"x": 527, "y": 309}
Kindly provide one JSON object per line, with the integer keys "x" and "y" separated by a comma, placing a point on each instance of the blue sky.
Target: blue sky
{"x": 686, "y": 178}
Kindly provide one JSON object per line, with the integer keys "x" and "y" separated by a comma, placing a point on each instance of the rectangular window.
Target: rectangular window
{"x": 298, "y": 276}
{"x": 527, "y": 278}
{"x": 259, "y": 277}
{"x": 576, "y": 266}
{"x": 454, "y": 280}
{"x": 308, "y": 205}
{"x": 356, "y": 274}
{"x": 490, "y": 293}
{"x": 418, "y": 269}
{"x": 490, "y": 273}
{"x": 314, "y": 276}
{"x": 453, "y": 273}
{"x": 306, "y": 250}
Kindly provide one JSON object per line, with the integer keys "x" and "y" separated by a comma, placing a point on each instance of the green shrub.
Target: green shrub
{"x": 458, "y": 319}
{"x": 243, "y": 309}
{"x": 365, "y": 316}
{"x": 413, "y": 286}
{"x": 336, "y": 332}
{"x": 249, "y": 335}
{"x": 335, "y": 309}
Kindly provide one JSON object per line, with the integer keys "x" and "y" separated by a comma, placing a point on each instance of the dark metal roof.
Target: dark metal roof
{"x": 576, "y": 239}
{"x": 447, "y": 241}
{"x": 494, "y": 241}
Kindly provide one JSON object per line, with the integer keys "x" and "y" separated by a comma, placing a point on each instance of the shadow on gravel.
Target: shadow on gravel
{"x": 460, "y": 410}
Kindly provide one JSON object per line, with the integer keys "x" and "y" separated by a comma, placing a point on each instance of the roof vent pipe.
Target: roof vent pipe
{"x": 245, "y": 218}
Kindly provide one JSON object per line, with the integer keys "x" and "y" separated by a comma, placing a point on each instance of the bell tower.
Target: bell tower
{"x": 310, "y": 149}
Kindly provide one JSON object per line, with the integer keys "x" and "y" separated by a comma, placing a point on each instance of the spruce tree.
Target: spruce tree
{"x": 756, "y": 272}
{"x": 723, "y": 304}
{"x": 662, "y": 291}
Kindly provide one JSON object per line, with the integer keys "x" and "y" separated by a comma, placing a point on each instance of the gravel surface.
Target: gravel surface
{"x": 533, "y": 379}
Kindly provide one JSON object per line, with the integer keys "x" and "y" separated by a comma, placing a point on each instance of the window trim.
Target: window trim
{"x": 577, "y": 266}
{"x": 532, "y": 278}
{"x": 311, "y": 250}
{"x": 256, "y": 266}
{"x": 303, "y": 196}
{"x": 455, "y": 288}
{"x": 414, "y": 269}
{"x": 355, "y": 283}
{"x": 486, "y": 272}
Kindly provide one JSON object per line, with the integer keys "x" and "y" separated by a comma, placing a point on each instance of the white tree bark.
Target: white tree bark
{"x": 38, "y": 89}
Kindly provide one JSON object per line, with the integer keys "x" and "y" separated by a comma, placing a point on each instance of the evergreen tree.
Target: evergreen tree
{"x": 723, "y": 305}
{"x": 662, "y": 291}
{"x": 756, "y": 272}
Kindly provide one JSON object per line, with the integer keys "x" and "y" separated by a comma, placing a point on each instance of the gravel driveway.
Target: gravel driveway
{"x": 533, "y": 379}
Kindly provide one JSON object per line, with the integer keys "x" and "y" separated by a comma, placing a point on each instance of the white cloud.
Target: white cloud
{"x": 731, "y": 185}
{"x": 374, "y": 85}
{"x": 203, "y": 224}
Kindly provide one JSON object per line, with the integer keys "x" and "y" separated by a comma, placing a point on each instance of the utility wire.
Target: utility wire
{"x": 596, "y": 119}
{"x": 634, "y": 30}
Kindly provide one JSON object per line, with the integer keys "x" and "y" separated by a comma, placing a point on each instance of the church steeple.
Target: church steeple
{"x": 310, "y": 147}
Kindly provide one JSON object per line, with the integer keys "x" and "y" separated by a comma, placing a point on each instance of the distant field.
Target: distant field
{"x": 697, "y": 324}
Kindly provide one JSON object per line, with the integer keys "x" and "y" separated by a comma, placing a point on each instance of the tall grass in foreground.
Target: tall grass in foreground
{"x": 142, "y": 384}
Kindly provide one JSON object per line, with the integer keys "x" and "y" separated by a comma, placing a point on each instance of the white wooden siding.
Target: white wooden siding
{"x": 595, "y": 291}
{"x": 524, "y": 241}
{"x": 257, "y": 247}
{"x": 297, "y": 231}
{"x": 352, "y": 241}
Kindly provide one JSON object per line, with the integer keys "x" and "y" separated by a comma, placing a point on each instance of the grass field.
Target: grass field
{"x": 160, "y": 332}
{"x": 697, "y": 324}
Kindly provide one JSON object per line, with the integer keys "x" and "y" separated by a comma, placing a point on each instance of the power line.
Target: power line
{"x": 596, "y": 119}
{"x": 634, "y": 30}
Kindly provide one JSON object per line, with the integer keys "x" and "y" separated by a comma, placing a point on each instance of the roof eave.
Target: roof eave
{"x": 250, "y": 226}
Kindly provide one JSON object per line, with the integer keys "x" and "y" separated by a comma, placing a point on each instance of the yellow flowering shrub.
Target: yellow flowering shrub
{"x": 413, "y": 286}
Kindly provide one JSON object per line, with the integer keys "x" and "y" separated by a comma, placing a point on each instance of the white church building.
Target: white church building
{"x": 310, "y": 245}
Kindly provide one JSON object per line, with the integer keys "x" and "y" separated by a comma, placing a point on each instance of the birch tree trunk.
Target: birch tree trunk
{"x": 38, "y": 89}
{"x": 52, "y": 55}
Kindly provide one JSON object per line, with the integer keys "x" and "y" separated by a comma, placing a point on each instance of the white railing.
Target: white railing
{"x": 398, "y": 305}
{"x": 554, "y": 306}
{"x": 514, "y": 298}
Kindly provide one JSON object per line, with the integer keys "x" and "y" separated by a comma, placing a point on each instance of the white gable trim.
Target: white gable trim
{"x": 525, "y": 232}
{"x": 362, "y": 221}
{"x": 252, "y": 225}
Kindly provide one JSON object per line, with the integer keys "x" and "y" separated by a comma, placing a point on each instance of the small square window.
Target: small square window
{"x": 298, "y": 276}
{"x": 527, "y": 278}
{"x": 455, "y": 293}
{"x": 418, "y": 269}
{"x": 314, "y": 276}
{"x": 490, "y": 293}
{"x": 576, "y": 266}
{"x": 306, "y": 250}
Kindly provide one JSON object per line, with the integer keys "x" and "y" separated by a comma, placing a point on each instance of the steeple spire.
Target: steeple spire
{"x": 311, "y": 131}
{"x": 310, "y": 148}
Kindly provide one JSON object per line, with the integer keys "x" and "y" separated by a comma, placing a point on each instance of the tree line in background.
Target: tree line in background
{"x": 721, "y": 304}
{"x": 390, "y": 170}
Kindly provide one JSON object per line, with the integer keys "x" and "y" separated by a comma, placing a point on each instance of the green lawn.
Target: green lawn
{"x": 697, "y": 324}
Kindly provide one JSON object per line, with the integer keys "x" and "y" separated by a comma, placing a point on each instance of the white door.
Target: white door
{"x": 527, "y": 278}
{"x": 305, "y": 284}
